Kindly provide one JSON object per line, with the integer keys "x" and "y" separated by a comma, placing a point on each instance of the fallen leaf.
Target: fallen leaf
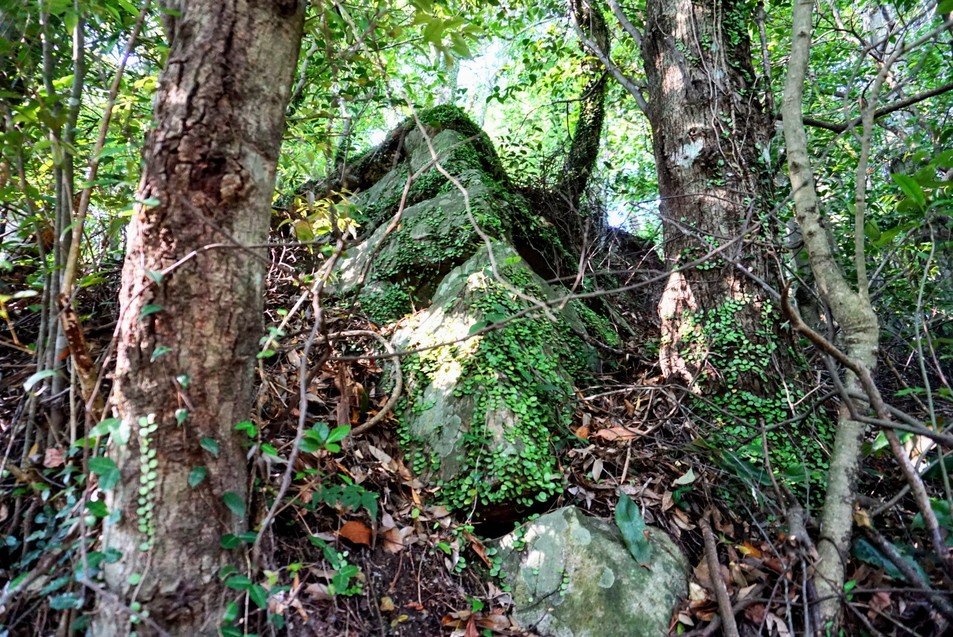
{"x": 755, "y": 613}
{"x": 53, "y": 458}
{"x": 387, "y": 604}
{"x": 879, "y": 602}
{"x": 395, "y": 540}
{"x": 317, "y": 592}
{"x": 775, "y": 622}
{"x": 749, "y": 550}
{"x": 614, "y": 434}
{"x": 687, "y": 478}
{"x": 471, "y": 630}
{"x": 596, "y": 469}
{"x": 356, "y": 532}
{"x": 478, "y": 548}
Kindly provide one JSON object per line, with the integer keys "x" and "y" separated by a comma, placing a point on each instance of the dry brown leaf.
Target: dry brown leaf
{"x": 755, "y": 613}
{"x": 395, "y": 539}
{"x": 317, "y": 592}
{"x": 695, "y": 591}
{"x": 387, "y": 604}
{"x": 53, "y": 458}
{"x": 478, "y": 548}
{"x": 583, "y": 432}
{"x": 879, "y": 602}
{"x": 471, "y": 630}
{"x": 615, "y": 434}
{"x": 495, "y": 621}
{"x": 596, "y": 469}
{"x": 775, "y": 622}
{"x": 681, "y": 520}
{"x": 356, "y": 532}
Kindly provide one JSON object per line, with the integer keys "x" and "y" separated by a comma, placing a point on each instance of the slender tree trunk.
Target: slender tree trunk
{"x": 191, "y": 317}
{"x": 855, "y": 317}
{"x": 710, "y": 135}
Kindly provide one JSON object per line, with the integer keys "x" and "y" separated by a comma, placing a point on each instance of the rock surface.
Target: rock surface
{"x": 481, "y": 413}
{"x": 572, "y": 576}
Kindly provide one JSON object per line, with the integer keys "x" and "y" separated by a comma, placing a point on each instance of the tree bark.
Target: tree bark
{"x": 710, "y": 136}
{"x": 190, "y": 318}
{"x": 853, "y": 313}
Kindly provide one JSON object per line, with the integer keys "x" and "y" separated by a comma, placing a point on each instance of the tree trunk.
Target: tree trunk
{"x": 710, "y": 137}
{"x": 855, "y": 317}
{"x": 190, "y": 316}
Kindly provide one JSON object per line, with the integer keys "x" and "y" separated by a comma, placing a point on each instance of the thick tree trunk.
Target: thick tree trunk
{"x": 710, "y": 136}
{"x": 191, "y": 318}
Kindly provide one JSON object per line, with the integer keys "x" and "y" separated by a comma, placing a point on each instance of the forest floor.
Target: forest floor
{"x": 361, "y": 547}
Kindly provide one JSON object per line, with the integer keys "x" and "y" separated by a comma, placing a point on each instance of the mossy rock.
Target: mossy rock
{"x": 482, "y": 415}
{"x": 572, "y": 576}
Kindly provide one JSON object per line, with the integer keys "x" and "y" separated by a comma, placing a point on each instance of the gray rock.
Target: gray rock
{"x": 481, "y": 412}
{"x": 572, "y": 576}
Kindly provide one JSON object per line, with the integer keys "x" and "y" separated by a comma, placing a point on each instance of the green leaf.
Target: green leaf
{"x": 97, "y": 508}
{"x": 231, "y": 613}
{"x": 234, "y": 502}
{"x": 867, "y": 552}
{"x": 149, "y": 309}
{"x": 339, "y": 433}
{"x": 107, "y": 426}
{"x": 238, "y": 582}
{"x": 944, "y": 6}
{"x": 107, "y": 471}
{"x": 37, "y": 377}
{"x": 259, "y": 595}
{"x": 248, "y": 427}
{"x": 634, "y": 532}
{"x": 158, "y": 352}
{"x": 688, "y": 478}
{"x": 910, "y": 188}
{"x": 210, "y": 445}
{"x": 196, "y": 476}
{"x": 230, "y": 541}
{"x": 65, "y": 601}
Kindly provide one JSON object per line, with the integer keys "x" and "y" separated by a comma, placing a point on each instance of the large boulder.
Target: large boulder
{"x": 572, "y": 576}
{"x": 488, "y": 398}
{"x": 483, "y": 411}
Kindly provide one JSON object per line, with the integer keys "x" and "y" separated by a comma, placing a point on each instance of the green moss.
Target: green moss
{"x": 519, "y": 374}
{"x": 451, "y": 117}
{"x": 415, "y": 257}
{"x": 739, "y": 413}
{"x": 596, "y": 325}
{"x": 388, "y": 304}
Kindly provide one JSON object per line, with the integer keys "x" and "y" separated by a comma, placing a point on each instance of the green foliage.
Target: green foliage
{"x": 347, "y": 577}
{"x": 519, "y": 371}
{"x": 749, "y": 400}
{"x": 596, "y": 325}
{"x": 633, "y": 528}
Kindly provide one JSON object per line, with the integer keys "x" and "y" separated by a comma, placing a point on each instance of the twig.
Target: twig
{"x": 725, "y": 611}
{"x": 398, "y": 380}
{"x": 940, "y": 600}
